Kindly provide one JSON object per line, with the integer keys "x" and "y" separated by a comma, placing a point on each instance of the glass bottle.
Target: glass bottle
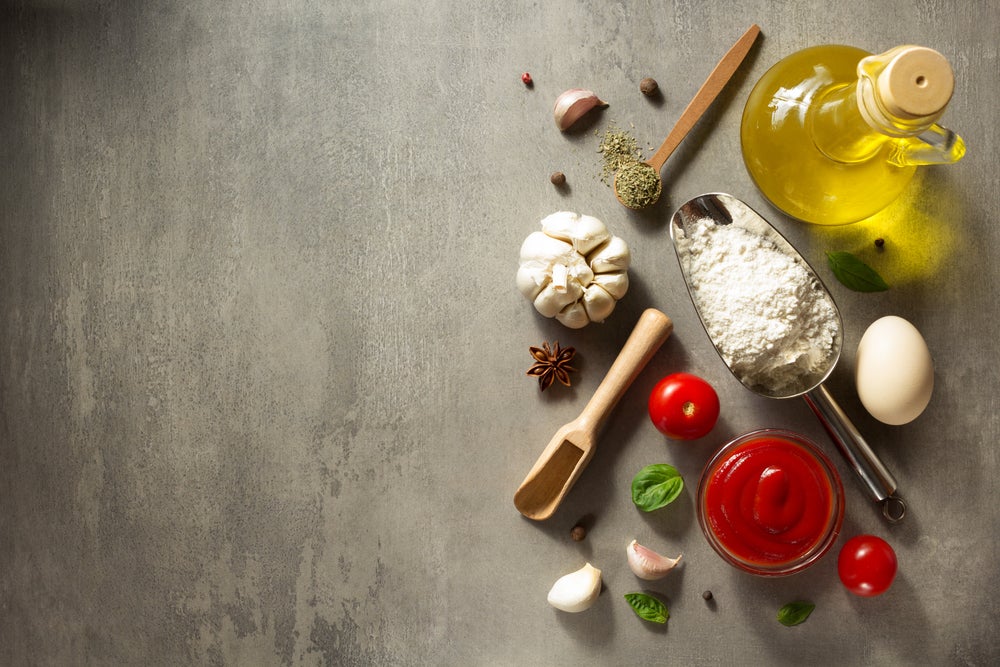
{"x": 833, "y": 134}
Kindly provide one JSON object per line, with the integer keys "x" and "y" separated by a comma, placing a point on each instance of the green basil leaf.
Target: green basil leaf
{"x": 854, "y": 273}
{"x": 647, "y": 607}
{"x": 794, "y": 613}
{"x": 655, "y": 486}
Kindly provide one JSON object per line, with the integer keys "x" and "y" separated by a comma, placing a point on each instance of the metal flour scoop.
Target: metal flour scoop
{"x": 689, "y": 227}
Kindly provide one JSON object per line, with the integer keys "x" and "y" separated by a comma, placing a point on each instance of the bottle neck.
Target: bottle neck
{"x": 849, "y": 123}
{"x": 839, "y": 128}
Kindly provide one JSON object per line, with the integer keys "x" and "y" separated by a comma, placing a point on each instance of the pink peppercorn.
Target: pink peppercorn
{"x": 526, "y": 78}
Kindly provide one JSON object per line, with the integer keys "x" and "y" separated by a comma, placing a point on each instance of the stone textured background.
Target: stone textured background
{"x": 262, "y": 393}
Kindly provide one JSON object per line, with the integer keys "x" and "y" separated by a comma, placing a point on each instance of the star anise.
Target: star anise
{"x": 551, "y": 364}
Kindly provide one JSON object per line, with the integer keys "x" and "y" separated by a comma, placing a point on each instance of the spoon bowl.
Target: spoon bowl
{"x": 641, "y": 188}
{"x": 725, "y": 210}
{"x": 646, "y": 192}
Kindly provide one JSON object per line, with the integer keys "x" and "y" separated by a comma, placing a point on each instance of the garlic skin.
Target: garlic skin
{"x": 576, "y": 591}
{"x": 573, "y": 270}
{"x": 583, "y": 232}
{"x": 573, "y": 316}
{"x": 615, "y": 283}
{"x": 597, "y": 303}
{"x": 612, "y": 256}
{"x": 573, "y": 104}
{"x": 647, "y": 564}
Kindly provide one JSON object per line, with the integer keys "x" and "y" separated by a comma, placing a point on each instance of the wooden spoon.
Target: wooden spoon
{"x": 573, "y": 445}
{"x": 709, "y": 90}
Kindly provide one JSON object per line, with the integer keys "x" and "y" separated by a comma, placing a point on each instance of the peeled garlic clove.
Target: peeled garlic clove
{"x": 612, "y": 256}
{"x": 647, "y": 564}
{"x": 573, "y": 104}
{"x": 576, "y": 591}
{"x": 615, "y": 283}
{"x": 583, "y": 232}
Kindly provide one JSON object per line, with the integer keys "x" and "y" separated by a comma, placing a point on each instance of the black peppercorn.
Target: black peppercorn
{"x": 558, "y": 179}
{"x": 707, "y": 595}
{"x": 879, "y": 243}
{"x": 648, "y": 86}
{"x": 578, "y": 533}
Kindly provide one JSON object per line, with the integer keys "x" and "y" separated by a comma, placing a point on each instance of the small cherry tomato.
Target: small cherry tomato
{"x": 683, "y": 406}
{"x": 867, "y": 565}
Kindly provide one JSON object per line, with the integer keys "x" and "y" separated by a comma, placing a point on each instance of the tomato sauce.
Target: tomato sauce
{"x": 770, "y": 501}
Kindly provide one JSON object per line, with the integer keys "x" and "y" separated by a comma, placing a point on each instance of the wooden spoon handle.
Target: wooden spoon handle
{"x": 709, "y": 90}
{"x": 649, "y": 333}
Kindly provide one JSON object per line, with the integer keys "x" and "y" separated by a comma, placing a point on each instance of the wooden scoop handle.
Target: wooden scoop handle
{"x": 649, "y": 333}
{"x": 709, "y": 90}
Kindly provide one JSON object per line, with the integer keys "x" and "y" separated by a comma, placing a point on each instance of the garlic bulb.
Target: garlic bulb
{"x": 576, "y": 591}
{"x": 647, "y": 564}
{"x": 573, "y": 104}
{"x": 573, "y": 270}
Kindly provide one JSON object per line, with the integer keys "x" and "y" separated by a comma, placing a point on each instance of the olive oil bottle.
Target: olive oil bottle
{"x": 833, "y": 134}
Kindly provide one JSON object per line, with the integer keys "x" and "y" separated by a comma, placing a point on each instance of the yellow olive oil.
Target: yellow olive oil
{"x": 807, "y": 146}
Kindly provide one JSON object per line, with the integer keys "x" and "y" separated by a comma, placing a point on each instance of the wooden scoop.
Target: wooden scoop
{"x": 572, "y": 447}
{"x": 709, "y": 90}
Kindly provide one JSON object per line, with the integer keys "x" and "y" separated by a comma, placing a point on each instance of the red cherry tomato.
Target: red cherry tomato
{"x": 867, "y": 565}
{"x": 683, "y": 406}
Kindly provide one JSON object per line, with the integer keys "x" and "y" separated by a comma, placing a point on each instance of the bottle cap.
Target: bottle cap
{"x": 917, "y": 83}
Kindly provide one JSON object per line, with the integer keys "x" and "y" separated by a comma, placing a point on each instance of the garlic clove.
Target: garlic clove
{"x": 573, "y": 104}
{"x": 612, "y": 256}
{"x": 615, "y": 283}
{"x": 574, "y": 316}
{"x": 542, "y": 248}
{"x": 526, "y": 283}
{"x": 528, "y": 276}
{"x": 554, "y": 298}
{"x": 647, "y": 564}
{"x": 583, "y": 232}
{"x": 576, "y": 591}
{"x": 598, "y": 303}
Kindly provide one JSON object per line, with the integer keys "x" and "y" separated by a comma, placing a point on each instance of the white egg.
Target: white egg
{"x": 894, "y": 372}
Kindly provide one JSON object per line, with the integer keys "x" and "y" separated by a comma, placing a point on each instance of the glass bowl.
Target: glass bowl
{"x": 770, "y": 503}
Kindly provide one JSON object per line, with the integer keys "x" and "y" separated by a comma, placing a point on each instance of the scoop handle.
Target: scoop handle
{"x": 649, "y": 333}
{"x": 859, "y": 455}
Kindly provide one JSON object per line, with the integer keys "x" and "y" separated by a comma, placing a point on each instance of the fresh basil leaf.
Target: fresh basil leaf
{"x": 647, "y": 607}
{"x": 794, "y": 613}
{"x": 655, "y": 486}
{"x": 854, "y": 273}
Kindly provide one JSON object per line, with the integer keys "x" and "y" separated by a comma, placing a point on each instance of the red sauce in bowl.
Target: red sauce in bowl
{"x": 770, "y": 502}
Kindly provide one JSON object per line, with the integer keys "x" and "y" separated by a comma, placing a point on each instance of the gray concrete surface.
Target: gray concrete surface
{"x": 262, "y": 392}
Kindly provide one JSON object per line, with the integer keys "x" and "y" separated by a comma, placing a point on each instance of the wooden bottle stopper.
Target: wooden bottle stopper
{"x": 917, "y": 83}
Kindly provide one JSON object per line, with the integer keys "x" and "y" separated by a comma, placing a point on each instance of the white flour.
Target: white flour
{"x": 774, "y": 326}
